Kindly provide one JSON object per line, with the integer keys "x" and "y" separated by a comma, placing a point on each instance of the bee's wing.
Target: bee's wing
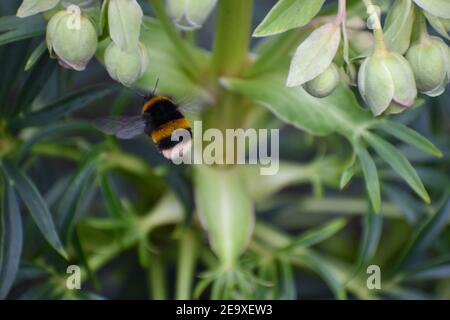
{"x": 121, "y": 127}
{"x": 194, "y": 104}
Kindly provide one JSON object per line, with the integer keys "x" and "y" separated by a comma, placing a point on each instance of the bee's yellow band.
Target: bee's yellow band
{"x": 166, "y": 129}
{"x": 152, "y": 101}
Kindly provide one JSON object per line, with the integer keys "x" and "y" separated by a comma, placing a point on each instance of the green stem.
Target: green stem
{"x": 187, "y": 254}
{"x": 157, "y": 279}
{"x": 231, "y": 41}
{"x": 340, "y": 18}
{"x": 184, "y": 54}
{"x": 380, "y": 47}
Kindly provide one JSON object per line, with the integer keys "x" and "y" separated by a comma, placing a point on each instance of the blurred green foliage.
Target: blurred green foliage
{"x": 141, "y": 227}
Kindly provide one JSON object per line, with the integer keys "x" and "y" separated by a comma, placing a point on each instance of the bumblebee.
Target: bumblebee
{"x": 159, "y": 119}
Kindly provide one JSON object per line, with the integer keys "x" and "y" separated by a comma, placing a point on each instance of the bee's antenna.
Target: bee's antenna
{"x": 156, "y": 86}
{"x": 139, "y": 93}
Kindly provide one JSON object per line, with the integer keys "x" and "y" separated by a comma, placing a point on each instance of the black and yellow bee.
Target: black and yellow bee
{"x": 159, "y": 119}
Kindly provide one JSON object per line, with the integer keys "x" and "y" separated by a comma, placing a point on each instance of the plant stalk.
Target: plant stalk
{"x": 340, "y": 18}
{"x": 380, "y": 47}
{"x": 187, "y": 255}
{"x": 157, "y": 279}
{"x": 232, "y": 37}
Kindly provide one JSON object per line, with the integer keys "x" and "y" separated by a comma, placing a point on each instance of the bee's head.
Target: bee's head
{"x": 146, "y": 95}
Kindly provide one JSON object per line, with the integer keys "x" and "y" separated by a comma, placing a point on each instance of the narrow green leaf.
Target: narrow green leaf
{"x": 426, "y": 233}
{"x": 406, "y": 203}
{"x": 348, "y": 172}
{"x": 31, "y": 7}
{"x": 10, "y": 23}
{"x": 56, "y": 130}
{"x": 288, "y": 289}
{"x": 46, "y": 290}
{"x": 11, "y": 239}
{"x": 436, "y": 269}
{"x": 438, "y": 8}
{"x": 111, "y": 199}
{"x": 35, "y": 55}
{"x": 70, "y": 103}
{"x": 227, "y": 213}
{"x": 346, "y": 176}
{"x": 314, "y": 236}
{"x": 83, "y": 259}
{"x": 399, "y": 163}
{"x": 70, "y": 202}
{"x": 27, "y": 29}
{"x": 288, "y": 14}
{"x": 314, "y": 55}
{"x": 35, "y": 204}
{"x": 370, "y": 176}
{"x": 372, "y": 228}
{"x": 201, "y": 286}
{"x": 35, "y": 82}
{"x": 16, "y": 54}
{"x": 326, "y": 271}
{"x": 218, "y": 288}
{"x": 408, "y": 136}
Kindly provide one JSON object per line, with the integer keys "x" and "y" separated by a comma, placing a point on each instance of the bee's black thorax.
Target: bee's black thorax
{"x": 160, "y": 112}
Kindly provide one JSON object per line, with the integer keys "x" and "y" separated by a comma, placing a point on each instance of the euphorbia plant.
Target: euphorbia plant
{"x": 311, "y": 71}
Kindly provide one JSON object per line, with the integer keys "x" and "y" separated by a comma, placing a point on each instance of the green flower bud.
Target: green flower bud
{"x": 386, "y": 83}
{"x": 362, "y": 42}
{"x": 324, "y": 84}
{"x": 430, "y": 60}
{"x": 189, "y": 14}
{"x": 126, "y": 67}
{"x": 72, "y": 39}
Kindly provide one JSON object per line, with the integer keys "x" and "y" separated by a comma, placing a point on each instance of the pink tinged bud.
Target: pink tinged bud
{"x": 430, "y": 61}
{"x": 386, "y": 83}
{"x": 72, "y": 39}
{"x": 405, "y": 91}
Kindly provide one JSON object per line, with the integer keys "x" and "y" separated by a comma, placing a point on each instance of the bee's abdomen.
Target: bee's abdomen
{"x": 161, "y": 135}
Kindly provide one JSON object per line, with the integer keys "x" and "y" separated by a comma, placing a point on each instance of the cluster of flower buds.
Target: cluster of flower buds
{"x": 73, "y": 32}
{"x": 388, "y": 82}
{"x": 397, "y": 61}
{"x": 74, "y": 27}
